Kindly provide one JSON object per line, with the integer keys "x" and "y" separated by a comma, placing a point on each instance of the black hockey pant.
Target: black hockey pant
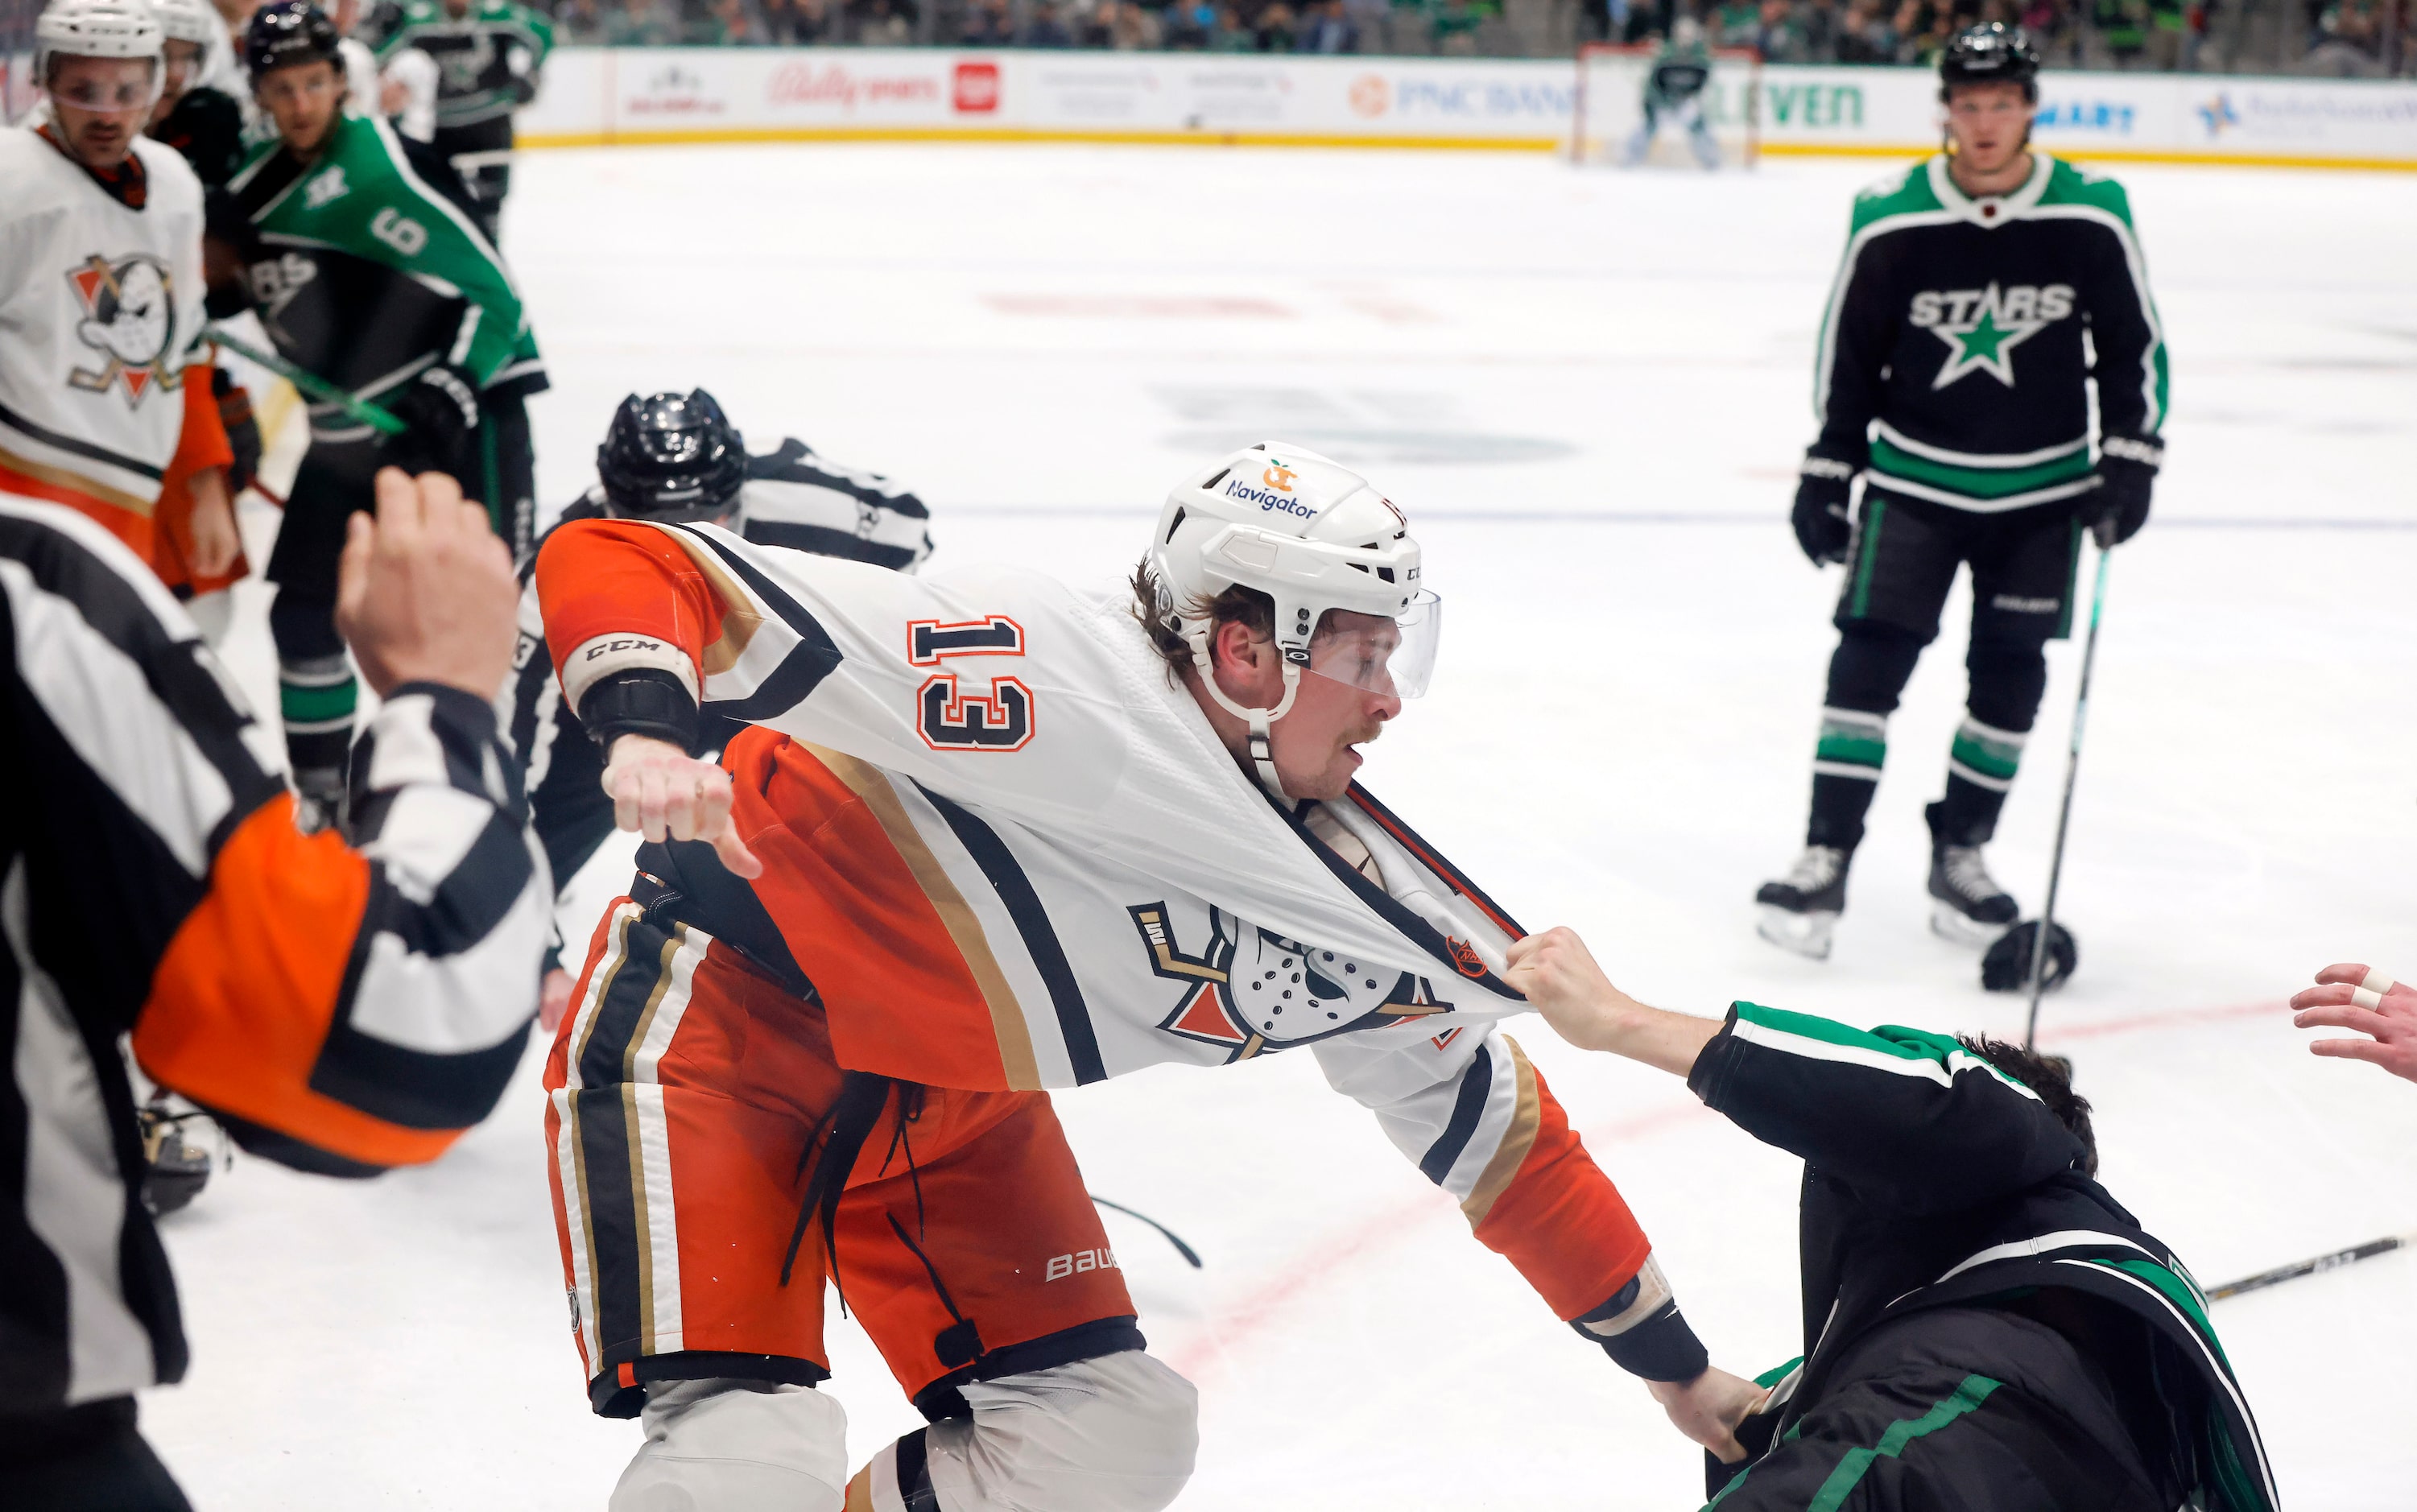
{"x": 1903, "y": 561}
{"x": 482, "y": 153}
{"x": 84, "y": 1458}
{"x": 316, "y": 693}
{"x": 1955, "y": 1409}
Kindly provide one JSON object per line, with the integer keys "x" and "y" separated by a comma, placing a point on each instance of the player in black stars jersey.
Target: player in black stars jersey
{"x": 1984, "y": 294}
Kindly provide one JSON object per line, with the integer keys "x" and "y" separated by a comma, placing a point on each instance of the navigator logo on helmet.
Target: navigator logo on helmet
{"x": 1325, "y": 541}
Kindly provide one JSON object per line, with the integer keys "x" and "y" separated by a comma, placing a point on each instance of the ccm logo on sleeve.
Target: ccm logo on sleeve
{"x": 609, "y": 648}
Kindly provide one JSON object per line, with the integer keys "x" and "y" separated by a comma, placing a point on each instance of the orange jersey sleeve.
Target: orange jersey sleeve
{"x": 621, "y": 596}
{"x": 1559, "y": 1219}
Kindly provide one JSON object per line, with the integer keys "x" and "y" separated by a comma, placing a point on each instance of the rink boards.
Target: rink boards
{"x": 597, "y": 96}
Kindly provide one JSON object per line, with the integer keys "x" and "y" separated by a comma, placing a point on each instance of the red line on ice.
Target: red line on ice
{"x": 1312, "y": 1268}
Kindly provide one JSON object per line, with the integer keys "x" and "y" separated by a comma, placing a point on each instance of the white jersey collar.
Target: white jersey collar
{"x": 1990, "y": 211}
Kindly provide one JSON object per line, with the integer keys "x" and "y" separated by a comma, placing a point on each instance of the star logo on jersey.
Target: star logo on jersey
{"x": 1252, "y": 991}
{"x": 1984, "y": 340}
{"x": 327, "y": 187}
{"x": 129, "y": 313}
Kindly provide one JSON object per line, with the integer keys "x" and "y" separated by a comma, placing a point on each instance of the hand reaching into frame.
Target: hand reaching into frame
{"x": 2352, "y": 995}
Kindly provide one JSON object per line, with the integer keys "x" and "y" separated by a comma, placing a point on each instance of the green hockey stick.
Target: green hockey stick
{"x": 310, "y": 383}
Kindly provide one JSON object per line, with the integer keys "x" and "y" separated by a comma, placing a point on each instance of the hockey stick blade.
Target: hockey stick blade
{"x": 2311, "y": 1267}
{"x": 1172, "y": 1237}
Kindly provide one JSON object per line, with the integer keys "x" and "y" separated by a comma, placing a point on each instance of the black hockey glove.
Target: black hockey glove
{"x": 2126, "y": 468}
{"x": 1823, "y": 527}
{"x": 524, "y": 89}
{"x": 440, "y": 410}
{"x": 242, "y": 430}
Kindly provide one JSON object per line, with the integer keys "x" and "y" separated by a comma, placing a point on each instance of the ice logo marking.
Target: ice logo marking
{"x": 128, "y": 307}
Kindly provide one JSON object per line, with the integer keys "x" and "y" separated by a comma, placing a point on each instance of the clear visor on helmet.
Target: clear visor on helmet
{"x": 1393, "y": 657}
{"x": 112, "y": 91}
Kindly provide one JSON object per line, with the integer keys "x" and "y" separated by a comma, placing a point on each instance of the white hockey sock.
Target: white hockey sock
{"x": 729, "y": 1446}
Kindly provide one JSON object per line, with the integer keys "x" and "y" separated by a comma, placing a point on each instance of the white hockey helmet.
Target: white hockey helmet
{"x": 1314, "y": 537}
{"x": 186, "y": 21}
{"x": 96, "y": 29}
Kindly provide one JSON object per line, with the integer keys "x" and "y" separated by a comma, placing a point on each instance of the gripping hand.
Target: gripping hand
{"x": 1823, "y": 527}
{"x": 2126, "y": 468}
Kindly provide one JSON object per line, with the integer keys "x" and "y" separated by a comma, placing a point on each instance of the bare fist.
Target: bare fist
{"x": 664, "y": 793}
{"x": 1557, "y": 975}
{"x": 1709, "y": 1408}
{"x": 426, "y": 593}
{"x": 2340, "y": 1001}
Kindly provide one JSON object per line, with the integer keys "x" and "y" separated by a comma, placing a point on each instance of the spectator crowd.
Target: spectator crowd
{"x": 2342, "y": 38}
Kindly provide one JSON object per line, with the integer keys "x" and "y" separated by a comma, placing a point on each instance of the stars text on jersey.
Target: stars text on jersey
{"x": 1982, "y": 328}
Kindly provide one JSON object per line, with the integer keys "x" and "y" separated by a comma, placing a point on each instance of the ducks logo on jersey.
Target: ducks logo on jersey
{"x": 1254, "y": 991}
{"x": 129, "y": 313}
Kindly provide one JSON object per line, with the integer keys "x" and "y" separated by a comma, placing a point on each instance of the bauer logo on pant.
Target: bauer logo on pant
{"x": 127, "y": 307}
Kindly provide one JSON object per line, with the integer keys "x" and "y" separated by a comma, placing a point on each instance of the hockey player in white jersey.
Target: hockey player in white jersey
{"x": 100, "y": 283}
{"x": 677, "y": 456}
{"x": 988, "y": 835}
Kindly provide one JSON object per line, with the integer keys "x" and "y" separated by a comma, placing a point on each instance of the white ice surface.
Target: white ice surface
{"x": 1590, "y": 390}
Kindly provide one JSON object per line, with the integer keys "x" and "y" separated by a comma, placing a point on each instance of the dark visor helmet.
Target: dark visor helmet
{"x": 1990, "y": 53}
{"x": 671, "y": 457}
{"x": 288, "y": 32}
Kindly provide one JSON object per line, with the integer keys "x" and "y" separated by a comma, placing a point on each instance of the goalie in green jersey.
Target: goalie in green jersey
{"x": 368, "y": 271}
{"x": 1674, "y": 92}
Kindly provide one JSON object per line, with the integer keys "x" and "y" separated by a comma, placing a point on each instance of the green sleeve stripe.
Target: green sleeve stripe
{"x": 1889, "y": 1048}
{"x": 1965, "y": 1398}
{"x": 1778, "y": 1373}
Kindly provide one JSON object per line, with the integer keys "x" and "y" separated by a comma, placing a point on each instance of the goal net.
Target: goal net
{"x": 1612, "y": 82}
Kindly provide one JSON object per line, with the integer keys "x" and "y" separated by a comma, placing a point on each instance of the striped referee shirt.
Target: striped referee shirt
{"x": 337, "y": 1009}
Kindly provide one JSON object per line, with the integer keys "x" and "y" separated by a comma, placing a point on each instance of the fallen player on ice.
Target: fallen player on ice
{"x": 1985, "y": 1326}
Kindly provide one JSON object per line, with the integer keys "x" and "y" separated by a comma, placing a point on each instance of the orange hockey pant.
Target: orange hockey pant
{"x": 688, "y": 1096}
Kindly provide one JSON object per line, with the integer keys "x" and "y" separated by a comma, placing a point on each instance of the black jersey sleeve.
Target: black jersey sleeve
{"x": 1857, "y": 331}
{"x": 2124, "y": 332}
{"x": 1908, "y": 1120}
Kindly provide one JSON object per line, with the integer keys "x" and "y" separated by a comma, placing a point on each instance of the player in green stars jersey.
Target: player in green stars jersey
{"x": 368, "y": 274}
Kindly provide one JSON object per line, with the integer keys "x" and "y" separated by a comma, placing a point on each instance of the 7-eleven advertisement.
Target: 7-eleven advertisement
{"x": 597, "y": 94}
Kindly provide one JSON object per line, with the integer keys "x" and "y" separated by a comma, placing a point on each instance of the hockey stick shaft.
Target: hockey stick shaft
{"x": 1172, "y": 1237}
{"x": 310, "y": 383}
{"x": 2064, "y": 812}
{"x": 2311, "y": 1267}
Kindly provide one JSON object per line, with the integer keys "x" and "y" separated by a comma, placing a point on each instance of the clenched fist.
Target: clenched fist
{"x": 664, "y": 793}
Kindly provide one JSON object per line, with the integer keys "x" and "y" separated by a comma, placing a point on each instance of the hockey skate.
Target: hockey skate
{"x": 1968, "y": 906}
{"x": 1799, "y": 912}
{"x": 175, "y": 1172}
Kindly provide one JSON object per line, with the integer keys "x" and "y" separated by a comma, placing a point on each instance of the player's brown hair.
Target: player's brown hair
{"x": 1248, "y": 607}
{"x": 2051, "y": 1076}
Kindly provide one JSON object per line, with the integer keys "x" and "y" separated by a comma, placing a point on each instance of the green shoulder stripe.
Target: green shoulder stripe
{"x": 1890, "y": 1047}
{"x": 2068, "y": 184}
{"x": 1908, "y": 193}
